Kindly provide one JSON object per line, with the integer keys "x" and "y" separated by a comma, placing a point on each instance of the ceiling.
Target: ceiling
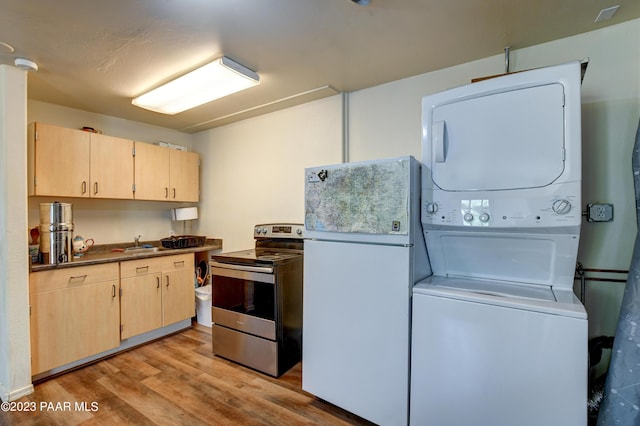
{"x": 97, "y": 55}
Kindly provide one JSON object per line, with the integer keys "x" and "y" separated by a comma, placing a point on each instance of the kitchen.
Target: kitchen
{"x": 235, "y": 161}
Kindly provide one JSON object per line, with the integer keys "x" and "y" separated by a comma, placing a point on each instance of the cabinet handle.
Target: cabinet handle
{"x": 84, "y": 186}
{"x": 113, "y": 291}
{"x": 166, "y": 192}
{"x": 95, "y": 187}
{"x": 179, "y": 263}
{"x": 174, "y": 193}
{"x": 142, "y": 268}
{"x": 167, "y": 280}
{"x": 79, "y": 277}
{"x": 157, "y": 283}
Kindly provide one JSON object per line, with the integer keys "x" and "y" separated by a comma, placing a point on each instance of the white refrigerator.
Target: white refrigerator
{"x": 363, "y": 251}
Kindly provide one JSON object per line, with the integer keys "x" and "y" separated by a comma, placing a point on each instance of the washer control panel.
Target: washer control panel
{"x": 500, "y": 210}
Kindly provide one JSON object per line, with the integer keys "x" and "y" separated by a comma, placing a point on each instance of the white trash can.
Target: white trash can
{"x": 203, "y": 305}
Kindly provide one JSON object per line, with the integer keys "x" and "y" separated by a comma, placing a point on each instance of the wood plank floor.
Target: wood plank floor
{"x": 175, "y": 381}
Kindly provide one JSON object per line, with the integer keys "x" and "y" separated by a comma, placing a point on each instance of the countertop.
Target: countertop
{"x": 103, "y": 254}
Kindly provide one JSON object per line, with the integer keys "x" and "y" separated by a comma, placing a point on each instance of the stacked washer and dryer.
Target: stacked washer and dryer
{"x": 498, "y": 336}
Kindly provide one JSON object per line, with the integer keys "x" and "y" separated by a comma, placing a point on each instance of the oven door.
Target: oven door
{"x": 244, "y": 298}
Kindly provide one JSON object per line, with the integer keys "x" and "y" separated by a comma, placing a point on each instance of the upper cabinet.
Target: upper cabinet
{"x": 166, "y": 174}
{"x": 111, "y": 168}
{"x": 184, "y": 176}
{"x": 74, "y": 163}
{"x": 66, "y": 162}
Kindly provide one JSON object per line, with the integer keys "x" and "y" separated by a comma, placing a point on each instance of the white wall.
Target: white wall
{"x": 384, "y": 121}
{"x": 253, "y": 170}
{"x": 15, "y": 365}
{"x": 110, "y": 221}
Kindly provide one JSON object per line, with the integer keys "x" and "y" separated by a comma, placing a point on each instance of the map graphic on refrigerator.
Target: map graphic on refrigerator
{"x": 369, "y": 198}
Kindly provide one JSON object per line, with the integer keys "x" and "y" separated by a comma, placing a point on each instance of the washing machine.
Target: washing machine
{"x": 498, "y": 335}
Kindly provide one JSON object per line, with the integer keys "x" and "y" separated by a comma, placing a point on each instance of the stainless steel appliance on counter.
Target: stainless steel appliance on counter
{"x": 56, "y": 231}
{"x": 257, "y": 300}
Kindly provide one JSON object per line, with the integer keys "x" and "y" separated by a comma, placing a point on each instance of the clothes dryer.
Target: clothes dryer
{"x": 498, "y": 336}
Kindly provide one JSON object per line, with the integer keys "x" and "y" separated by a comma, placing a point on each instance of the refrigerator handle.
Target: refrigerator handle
{"x": 439, "y": 129}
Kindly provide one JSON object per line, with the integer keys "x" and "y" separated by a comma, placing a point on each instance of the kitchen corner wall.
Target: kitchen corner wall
{"x": 110, "y": 221}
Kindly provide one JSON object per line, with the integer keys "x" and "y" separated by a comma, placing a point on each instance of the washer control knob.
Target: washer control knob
{"x": 431, "y": 208}
{"x": 561, "y": 206}
{"x": 468, "y": 217}
{"x": 484, "y": 217}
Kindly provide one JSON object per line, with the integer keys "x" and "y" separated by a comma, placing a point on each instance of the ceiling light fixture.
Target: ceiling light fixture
{"x": 361, "y": 2}
{"x": 215, "y": 80}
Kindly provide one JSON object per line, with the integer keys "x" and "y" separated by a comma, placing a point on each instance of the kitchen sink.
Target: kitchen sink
{"x": 141, "y": 249}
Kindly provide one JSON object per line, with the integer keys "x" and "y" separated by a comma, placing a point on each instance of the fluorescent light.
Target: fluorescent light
{"x": 215, "y": 80}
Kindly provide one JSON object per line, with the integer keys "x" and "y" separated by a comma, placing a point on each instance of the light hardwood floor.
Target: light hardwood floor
{"x": 175, "y": 381}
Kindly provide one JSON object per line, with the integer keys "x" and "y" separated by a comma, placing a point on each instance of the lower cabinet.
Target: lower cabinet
{"x": 83, "y": 311}
{"x": 156, "y": 292}
{"x": 75, "y": 313}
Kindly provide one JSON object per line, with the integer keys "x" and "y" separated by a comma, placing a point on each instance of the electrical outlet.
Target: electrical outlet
{"x": 599, "y": 212}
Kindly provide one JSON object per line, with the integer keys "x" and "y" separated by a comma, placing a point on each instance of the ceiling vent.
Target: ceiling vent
{"x": 606, "y": 14}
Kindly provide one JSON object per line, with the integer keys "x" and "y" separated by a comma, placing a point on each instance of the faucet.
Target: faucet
{"x": 136, "y": 240}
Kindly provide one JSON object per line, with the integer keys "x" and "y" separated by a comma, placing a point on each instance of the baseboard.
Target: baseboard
{"x": 8, "y": 396}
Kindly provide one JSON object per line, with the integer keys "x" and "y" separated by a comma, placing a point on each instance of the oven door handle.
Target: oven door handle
{"x": 263, "y": 269}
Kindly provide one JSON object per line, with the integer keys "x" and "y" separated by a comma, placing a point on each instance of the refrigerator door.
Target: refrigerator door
{"x": 369, "y": 201}
{"x": 356, "y": 331}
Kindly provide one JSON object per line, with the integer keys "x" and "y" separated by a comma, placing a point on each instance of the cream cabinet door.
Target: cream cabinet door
{"x": 66, "y": 162}
{"x": 151, "y": 172}
{"x": 111, "y": 168}
{"x": 178, "y": 289}
{"x": 140, "y": 305}
{"x": 184, "y": 176}
{"x": 141, "y": 297}
{"x": 59, "y": 161}
{"x": 75, "y": 313}
{"x": 178, "y": 298}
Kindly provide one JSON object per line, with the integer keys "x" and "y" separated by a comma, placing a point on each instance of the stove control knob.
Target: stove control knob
{"x": 484, "y": 217}
{"x": 561, "y": 206}
{"x": 431, "y": 208}
{"x": 258, "y": 231}
{"x": 299, "y": 231}
{"x": 468, "y": 217}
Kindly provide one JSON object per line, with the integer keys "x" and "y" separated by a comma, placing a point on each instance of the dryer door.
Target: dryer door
{"x": 504, "y": 140}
